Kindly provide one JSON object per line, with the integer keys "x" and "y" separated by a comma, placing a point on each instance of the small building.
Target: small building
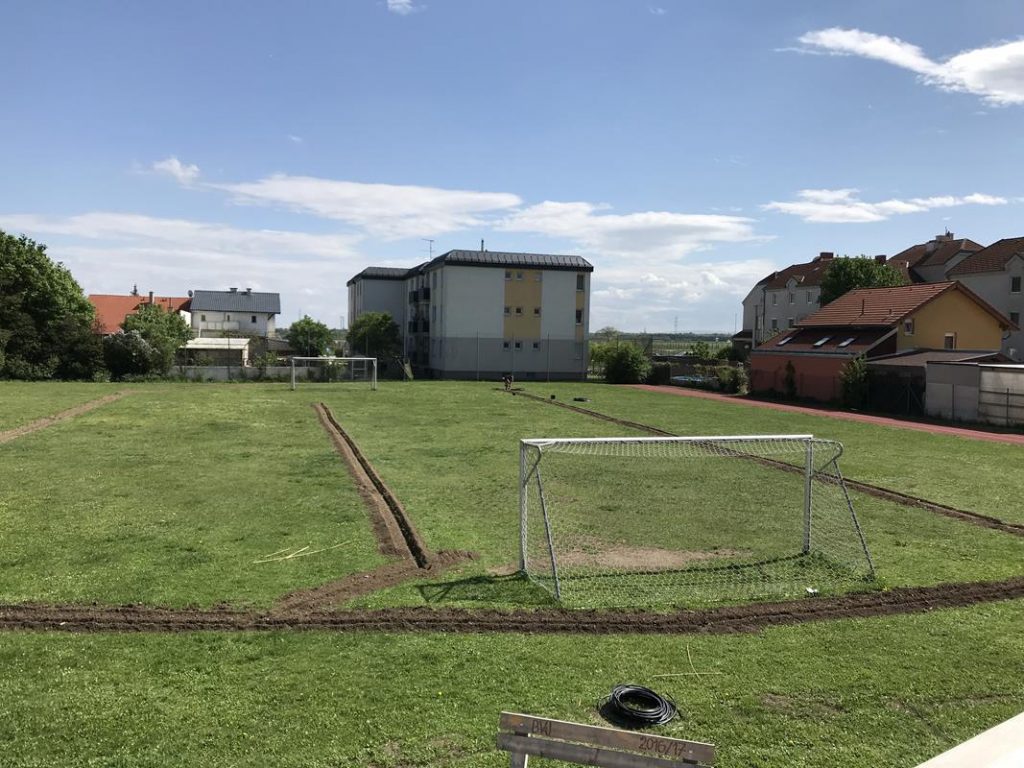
{"x": 234, "y": 312}
{"x": 212, "y": 350}
{"x": 113, "y": 309}
{"x": 482, "y": 314}
{"x": 983, "y": 392}
{"x": 807, "y": 361}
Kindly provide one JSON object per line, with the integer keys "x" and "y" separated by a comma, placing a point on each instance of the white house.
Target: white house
{"x": 246, "y": 313}
{"x": 996, "y": 273}
{"x": 783, "y": 298}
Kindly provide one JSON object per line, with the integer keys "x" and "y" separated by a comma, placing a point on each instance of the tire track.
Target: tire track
{"x": 48, "y": 421}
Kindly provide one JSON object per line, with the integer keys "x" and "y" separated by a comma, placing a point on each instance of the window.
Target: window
{"x": 536, "y": 345}
{"x": 792, "y": 297}
{"x": 810, "y": 297}
{"x": 519, "y": 310}
{"x": 786, "y": 341}
{"x": 822, "y": 341}
{"x": 792, "y": 322}
{"x": 950, "y": 341}
{"x": 1015, "y": 318}
{"x": 254, "y": 318}
{"x": 504, "y": 344}
{"x": 775, "y": 324}
{"x": 202, "y": 318}
{"x": 228, "y": 318}
{"x": 508, "y": 311}
{"x": 536, "y": 311}
{"x": 847, "y": 342}
{"x": 508, "y": 274}
{"x": 775, "y": 299}
{"x": 1015, "y": 284}
{"x": 519, "y": 275}
{"x": 581, "y": 282}
{"x": 908, "y": 327}
{"x": 579, "y": 317}
{"x": 519, "y": 345}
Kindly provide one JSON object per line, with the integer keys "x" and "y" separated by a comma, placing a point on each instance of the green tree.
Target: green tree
{"x": 164, "y": 331}
{"x": 626, "y": 364}
{"x": 846, "y": 273}
{"x": 375, "y": 334}
{"x": 128, "y": 354}
{"x": 853, "y": 381}
{"x": 701, "y": 350}
{"x": 45, "y": 319}
{"x": 309, "y": 337}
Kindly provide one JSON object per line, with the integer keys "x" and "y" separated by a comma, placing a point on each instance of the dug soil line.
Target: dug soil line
{"x": 731, "y": 619}
{"x": 975, "y": 518}
{"x": 396, "y": 535}
{"x": 48, "y": 421}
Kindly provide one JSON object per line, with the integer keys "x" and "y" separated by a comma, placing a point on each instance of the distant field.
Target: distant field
{"x": 25, "y": 401}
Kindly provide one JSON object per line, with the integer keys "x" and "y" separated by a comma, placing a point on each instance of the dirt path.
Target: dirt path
{"x": 48, "y": 421}
{"x": 731, "y": 619}
{"x": 974, "y": 518}
{"x": 863, "y": 418}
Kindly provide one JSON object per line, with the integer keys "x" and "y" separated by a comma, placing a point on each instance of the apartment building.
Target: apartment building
{"x": 482, "y": 314}
{"x": 783, "y": 299}
{"x": 996, "y": 274}
{"x": 245, "y": 313}
{"x": 931, "y": 262}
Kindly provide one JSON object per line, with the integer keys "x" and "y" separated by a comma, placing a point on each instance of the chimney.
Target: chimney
{"x": 233, "y": 290}
{"x": 481, "y": 245}
{"x": 150, "y": 297}
{"x": 249, "y": 290}
{"x": 944, "y": 238}
{"x": 825, "y": 256}
{"x": 880, "y": 258}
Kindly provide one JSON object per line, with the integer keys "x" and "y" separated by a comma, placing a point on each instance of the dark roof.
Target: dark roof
{"x": 480, "y": 259}
{"x": 380, "y": 273}
{"x": 991, "y": 259}
{"x": 885, "y": 307}
{"x": 236, "y": 301}
{"x": 934, "y": 252}
{"x": 806, "y": 341}
{"x": 919, "y": 358}
{"x": 806, "y": 275}
{"x": 506, "y": 259}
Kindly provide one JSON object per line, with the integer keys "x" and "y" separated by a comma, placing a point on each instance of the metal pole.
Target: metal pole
{"x": 808, "y": 475}
{"x": 522, "y": 506}
{"x": 548, "y": 353}
{"x": 293, "y": 374}
{"x": 478, "y": 355}
{"x": 375, "y": 374}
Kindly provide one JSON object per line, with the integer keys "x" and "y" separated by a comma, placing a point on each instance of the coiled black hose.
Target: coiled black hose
{"x": 636, "y": 706}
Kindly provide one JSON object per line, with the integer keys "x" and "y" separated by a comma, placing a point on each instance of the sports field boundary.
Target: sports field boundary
{"x": 887, "y": 494}
{"x": 48, "y": 421}
{"x": 752, "y": 617}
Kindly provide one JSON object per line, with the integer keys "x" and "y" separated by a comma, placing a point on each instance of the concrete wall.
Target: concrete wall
{"x": 1001, "y": 395}
{"x": 994, "y": 287}
{"x": 951, "y": 391}
{"x": 369, "y": 295}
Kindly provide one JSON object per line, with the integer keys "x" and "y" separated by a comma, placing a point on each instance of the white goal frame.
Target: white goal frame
{"x": 530, "y": 470}
{"x": 372, "y": 361}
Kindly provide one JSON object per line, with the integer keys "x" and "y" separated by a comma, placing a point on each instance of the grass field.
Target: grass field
{"x": 171, "y": 494}
{"x": 22, "y": 402}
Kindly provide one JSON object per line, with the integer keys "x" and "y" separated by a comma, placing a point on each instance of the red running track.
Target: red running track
{"x": 885, "y": 421}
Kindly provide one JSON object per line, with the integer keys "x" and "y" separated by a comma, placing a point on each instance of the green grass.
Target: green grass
{"x": 881, "y": 692}
{"x": 968, "y": 474}
{"x": 169, "y": 496}
{"x": 25, "y": 401}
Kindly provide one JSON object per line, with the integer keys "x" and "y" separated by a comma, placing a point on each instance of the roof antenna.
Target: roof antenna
{"x": 481, "y": 245}
{"x": 430, "y": 246}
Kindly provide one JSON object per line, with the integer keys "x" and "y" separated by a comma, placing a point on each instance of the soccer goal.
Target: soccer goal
{"x": 661, "y": 521}
{"x": 325, "y": 370}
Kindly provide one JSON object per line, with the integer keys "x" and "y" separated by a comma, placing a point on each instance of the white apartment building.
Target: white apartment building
{"x": 482, "y": 314}
{"x": 246, "y": 313}
{"x": 782, "y": 299}
{"x": 996, "y": 274}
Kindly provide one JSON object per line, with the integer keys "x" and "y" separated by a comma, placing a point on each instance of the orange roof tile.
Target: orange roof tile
{"x": 991, "y": 259}
{"x": 112, "y": 309}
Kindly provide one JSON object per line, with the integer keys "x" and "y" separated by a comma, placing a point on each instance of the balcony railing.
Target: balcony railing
{"x": 414, "y": 296}
{"x": 425, "y": 294}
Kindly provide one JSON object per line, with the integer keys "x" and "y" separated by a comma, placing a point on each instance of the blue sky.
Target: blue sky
{"x": 685, "y": 148}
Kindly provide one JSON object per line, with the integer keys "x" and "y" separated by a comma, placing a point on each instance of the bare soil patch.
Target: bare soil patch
{"x": 48, "y": 421}
{"x": 623, "y": 556}
{"x": 729, "y": 619}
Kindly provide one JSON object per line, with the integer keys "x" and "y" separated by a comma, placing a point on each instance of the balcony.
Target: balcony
{"x": 414, "y": 296}
{"x": 425, "y": 294}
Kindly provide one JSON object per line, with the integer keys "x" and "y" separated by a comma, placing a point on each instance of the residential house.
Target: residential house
{"x": 996, "y": 274}
{"x": 113, "y": 309}
{"x": 234, "y": 313}
{"x": 782, "y": 299}
{"x": 875, "y": 322}
{"x": 931, "y": 262}
{"x": 482, "y": 314}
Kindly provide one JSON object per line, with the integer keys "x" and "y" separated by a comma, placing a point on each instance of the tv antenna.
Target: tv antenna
{"x": 430, "y": 245}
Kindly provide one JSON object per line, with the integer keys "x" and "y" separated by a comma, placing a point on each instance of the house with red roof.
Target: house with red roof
{"x": 931, "y": 262}
{"x": 112, "y": 309}
{"x": 944, "y": 317}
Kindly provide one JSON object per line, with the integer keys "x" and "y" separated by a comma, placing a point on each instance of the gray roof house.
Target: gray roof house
{"x": 245, "y": 313}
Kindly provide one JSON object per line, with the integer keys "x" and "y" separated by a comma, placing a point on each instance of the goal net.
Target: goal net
{"x": 662, "y": 521}
{"x": 329, "y": 370}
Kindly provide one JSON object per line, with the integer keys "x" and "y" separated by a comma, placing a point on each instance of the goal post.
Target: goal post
{"x": 650, "y": 521}
{"x": 334, "y": 369}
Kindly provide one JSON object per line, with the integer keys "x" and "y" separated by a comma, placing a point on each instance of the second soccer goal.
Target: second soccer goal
{"x": 665, "y": 521}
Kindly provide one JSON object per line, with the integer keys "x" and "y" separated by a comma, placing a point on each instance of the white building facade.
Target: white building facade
{"x": 246, "y": 313}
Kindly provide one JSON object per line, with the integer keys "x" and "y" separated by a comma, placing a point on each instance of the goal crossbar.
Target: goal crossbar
{"x": 371, "y": 361}
{"x": 545, "y": 442}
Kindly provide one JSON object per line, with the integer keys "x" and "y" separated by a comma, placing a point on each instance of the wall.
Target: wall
{"x": 369, "y": 295}
{"x": 994, "y": 287}
{"x": 217, "y": 323}
{"x": 816, "y": 377}
{"x": 951, "y": 312}
{"x": 805, "y": 302}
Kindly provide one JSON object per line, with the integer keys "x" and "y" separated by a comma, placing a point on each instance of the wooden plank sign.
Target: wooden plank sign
{"x": 524, "y": 735}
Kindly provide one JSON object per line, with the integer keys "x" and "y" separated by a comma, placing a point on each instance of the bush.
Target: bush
{"x": 853, "y": 380}
{"x": 625, "y": 364}
{"x": 701, "y": 350}
{"x": 661, "y": 373}
{"x": 733, "y": 380}
{"x": 128, "y": 354}
{"x": 789, "y": 382}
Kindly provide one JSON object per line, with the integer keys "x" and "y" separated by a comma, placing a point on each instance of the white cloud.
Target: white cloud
{"x": 388, "y": 211}
{"x": 404, "y": 7}
{"x": 294, "y": 139}
{"x": 173, "y": 167}
{"x": 844, "y": 207}
{"x": 656, "y": 10}
{"x": 996, "y": 73}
